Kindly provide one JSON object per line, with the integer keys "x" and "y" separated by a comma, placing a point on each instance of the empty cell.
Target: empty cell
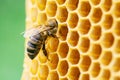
{"x": 116, "y": 65}
{"x": 95, "y": 33}
{"x": 42, "y": 18}
{"x": 41, "y": 57}
{"x": 95, "y": 51}
{"x": 62, "y": 14}
{"x": 63, "y": 31}
{"x": 84, "y": 8}
{"x": 73, "y": 38}
{"x": 117, "y": 9}
{"x": 117, "y": 28}
{"x": 117, "y": 46}
{"x": 63, "y": 49}
{"x": 116, "y": 78}
{"x": 63, "y": 68}
{"x": 34, "y": 14}
{"x": 61, "y": 1}
{"x": 107, "y": 40}
{"x": 63, "y": 79}
{"x": 43, "y": 72}
{"x": 74, "y": 56}
{"x": 34, "y": 67}
{"x": 84, "y": 26}
{"x": 53, "y": 61}
{"x": 95, "y": 2}
{"x": 107, "y": 21}
{"x": 73, "y": 20}
{"x": 74, "y": 73}
{"x": 84, "y": 77}
{"x": 106, "y": 57}
{"x": 106, "y": 5}
{"x": 72, "y": 4}
{"x": 53, "y": 76}
{"x": 85, "y": 62}
{"x": 105, "y": 75}
{"x": 41, "y": 4}
{"x": 84, "y": 44}
{"x": 95, "y": 69}
{"x": 96, "y": 15}
{"x": 51, "y": 8}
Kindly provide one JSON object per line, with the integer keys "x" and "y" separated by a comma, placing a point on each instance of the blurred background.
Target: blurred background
{"x": 12, "y": 23}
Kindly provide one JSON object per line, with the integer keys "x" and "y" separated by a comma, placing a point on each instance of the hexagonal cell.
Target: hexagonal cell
{"x": 43, "y": 72}
{"x": 34, "y": 67}
{"x": 117, "y": 46}
{"x": 96, "y": 15}
{"x": 74, "y": 56}
{"x": 116, "y": 65}
{"x": 53, "y": 61}
{"x": 95, "y": 32}
{"x": 62, "y": 14}
{"x": 53, "y": 76}
{"x": 52, "y": 44}
{"x": 73, "y": 38}
{"x": 63, "y": 49}
{"x": 34, "y": 14}
{"x": 107, "y": 5}
{"x": 84, "y": 8}
{"x": 105, "y": 75}
{"x": 63, "y": 79}
{"x": 73, "y": 20}
{"x": 41, "y": 57}
{"x": 95, "y": 2}
{"x": 74, "y": 73}
{"x": 34, "y": 78}
{"x": 61, "y": 1}
{"x": 85, "y": 62}
{"x": 84, "y": 26}
{"x": 51, "y": 8}
{"x": 117, "y": 9}
{"x": 63, "y": 68}
{"x": 42, "y": 18}
{"x": 107, "y": 40}
{"x": 32, "y": 1}
{"x": 84, "y": 44}
{"x": 95, "y": 69}
{"x": 84, "y": 77}
{"x": 106, "y": 57}
{"x": 116, "y": 78}
{"x": 41, "y": 4}
{"x": 117, "y": 28}
{"x": 107, "y": 21}
{"x": 63, "y": 31}
{"x": 72, "y": 4}
{"x": 95, "y": 51}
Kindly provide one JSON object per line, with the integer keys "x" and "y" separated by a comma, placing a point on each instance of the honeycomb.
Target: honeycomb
{"x": 88, "y": 43}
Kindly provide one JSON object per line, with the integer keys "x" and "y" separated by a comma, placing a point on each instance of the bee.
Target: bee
{"x": 37, "y": 37}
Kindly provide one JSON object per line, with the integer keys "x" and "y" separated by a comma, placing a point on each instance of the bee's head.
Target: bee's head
{"x": 52, "y": 23}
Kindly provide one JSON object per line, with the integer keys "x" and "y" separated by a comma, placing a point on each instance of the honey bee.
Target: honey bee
{"x": 37, "y": 37}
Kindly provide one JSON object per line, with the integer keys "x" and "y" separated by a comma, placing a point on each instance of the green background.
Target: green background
{"x": 12, "y": 23}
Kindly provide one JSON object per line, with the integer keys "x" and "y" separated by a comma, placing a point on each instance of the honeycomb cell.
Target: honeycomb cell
{"x": 34, "y": 14}
{"x": 51, "y": 8}
{"x": 53, "y": 61}
{"x": 42, "y": 18}
{"x": 116, "y": 78}
{"x": 61, "y": 1}
{"x": 106, "y": 57}
{"x": 85, "y": 62}
{"x": 95, "y": 2}
{"x": 63, "y": 79}
{"x": 84, "y": 26}
{"x": 41, "y": 4}
{"x": 53, "y": 76}
{"x": 74, "y": 73}
{"x": 117, "y": 28}
{"x": 72, "y": 20}
{"x": 72, "y": 4}
{"x": 63, "y": 31}
{"x": 107, "y": 40}
{"x": 117, "y": 46}
{"x": 62, "y": 14}
{"x": 74, "y": 56}
{"x": 107, "y": 21}
{"x": 32, "y": 1}
{"x": 105, "y": 75}
{"x": 43, "y": 72}
{"x": 63, "y": 49}
{"x": 95, "y": 51}
{"x": 95, "y": 69}
{"x": 95, "y": 33}
{"x": 34, "y": 78}
{"x": 116, "y": 65}
{"x": 41, "y": 57}
{"x": 63, "y": 68}
{"x": 96, "y": 15}
{"x": 84, "y": 77}
{"x": 84, "y": 44}
{"x": 73, "y": 38}
{"x": 117, "y": 9}
{"x": 34, "y": 67}
{"x": 84, "y": 8}
{"x": 107, "y": 5}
